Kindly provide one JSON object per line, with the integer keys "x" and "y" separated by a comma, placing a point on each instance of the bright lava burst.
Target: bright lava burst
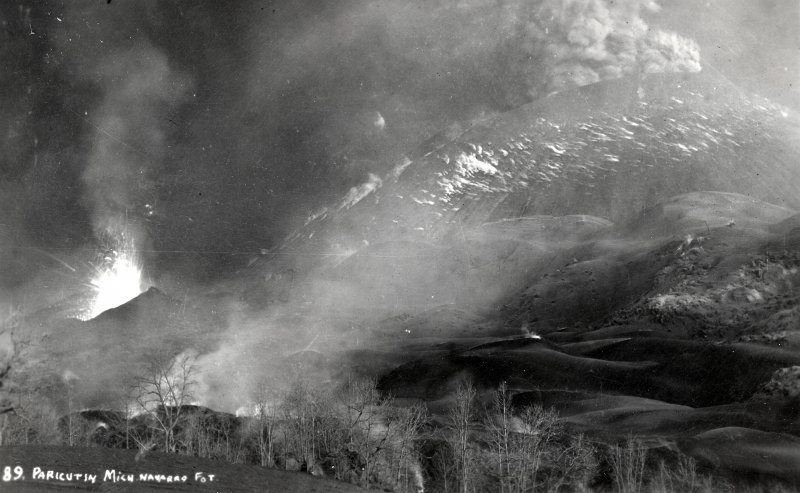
{"x": 117, "y": 281}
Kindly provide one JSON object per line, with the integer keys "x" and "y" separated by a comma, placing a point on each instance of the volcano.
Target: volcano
{"x": 611, "y": 150}
{"x": 581, "y": 164}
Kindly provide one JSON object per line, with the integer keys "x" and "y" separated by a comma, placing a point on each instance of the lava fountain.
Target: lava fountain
{"x": 116, "y": 280}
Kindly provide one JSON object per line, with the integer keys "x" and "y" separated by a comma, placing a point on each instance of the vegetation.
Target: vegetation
{"x": 356, "y": 434}
{"x": 162, "y": 391}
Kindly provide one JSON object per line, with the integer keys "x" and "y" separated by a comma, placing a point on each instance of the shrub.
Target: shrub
{"x": 33, "y": 421}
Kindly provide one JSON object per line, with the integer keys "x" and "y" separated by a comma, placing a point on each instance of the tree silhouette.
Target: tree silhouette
{"x": 163, "y": 390}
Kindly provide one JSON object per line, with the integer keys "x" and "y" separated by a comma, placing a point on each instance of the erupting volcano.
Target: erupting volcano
{"x": 117, "y": 279}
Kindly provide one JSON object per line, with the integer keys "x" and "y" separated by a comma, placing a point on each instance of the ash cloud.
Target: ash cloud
{"x": 579, "y": 42}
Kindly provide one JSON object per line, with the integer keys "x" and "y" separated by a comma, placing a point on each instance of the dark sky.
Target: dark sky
{"x": 210, "y": 129}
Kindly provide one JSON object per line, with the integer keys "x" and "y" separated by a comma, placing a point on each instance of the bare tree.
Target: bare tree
{"x": 301, "y": 408}
{"x": 460, "y": 421}
{"x": 683, "y": 475}
{"x": 144, "y": 447}
{"x": 32, "y": 421}
{"x": 574, "y": 465}
{"x": 407, "y": 425}
{"x": 74, "y": 430}
{"x": 162, "y": 390}
{"x": 266, "y": 425}
{"x": 11, "y": 349}
{"x": 365, "y": 412}
{"x": 499, "y": 425}
{"x": 628, "y": 464}
{"x": 126, "y": 402}
{"x": 444, "y": 466}
{"x": 529, "y": 446}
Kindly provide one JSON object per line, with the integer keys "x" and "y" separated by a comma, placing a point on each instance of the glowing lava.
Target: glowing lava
{"x": 116, "y": 282}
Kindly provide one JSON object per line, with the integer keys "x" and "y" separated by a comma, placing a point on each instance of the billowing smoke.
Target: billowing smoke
{"x": 566, "y": 43}
{"x": 668, "y": 52}
{"x": 128, "y": 142}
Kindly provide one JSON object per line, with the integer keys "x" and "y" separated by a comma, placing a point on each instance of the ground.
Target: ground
{"x": 227, "y": 477}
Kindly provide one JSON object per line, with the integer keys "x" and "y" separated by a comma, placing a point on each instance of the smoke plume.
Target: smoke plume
{"x": 129, "y": 142}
